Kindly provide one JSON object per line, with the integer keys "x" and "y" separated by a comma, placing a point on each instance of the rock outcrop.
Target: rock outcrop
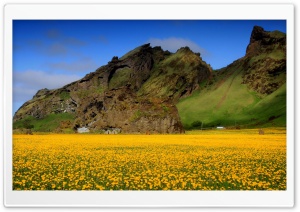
{"x": 265, "y": 61}
{"x": 262, "y": 41}
{"x": 132, "y": 94}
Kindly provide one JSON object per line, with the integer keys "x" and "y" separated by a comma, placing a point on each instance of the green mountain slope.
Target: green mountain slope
{"x": 250, "y": 92}
{"x": 233, "y": 104}
{"x": 176, "y": 76}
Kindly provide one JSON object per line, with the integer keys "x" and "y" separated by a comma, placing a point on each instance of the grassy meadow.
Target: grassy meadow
{"x": 197, "y": 160}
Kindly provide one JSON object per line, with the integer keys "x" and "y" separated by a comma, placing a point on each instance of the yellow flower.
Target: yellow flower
{"x": 238, "y": 160}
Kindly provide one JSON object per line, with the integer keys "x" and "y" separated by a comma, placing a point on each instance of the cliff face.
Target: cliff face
{"x": 265, "y": 61}
{"x": 133, "y": 94}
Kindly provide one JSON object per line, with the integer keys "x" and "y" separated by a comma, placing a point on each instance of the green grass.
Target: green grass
{"x": 272, "y": 106}
{"x": 64, "y": 95}
{"x": 137, "y": 115}
{"x": 277, "y": 34}
{"x": 47, "y": 124}
{"x": 83, "y": 93}
{"x": 176, "y": 70}
{"x": 232, "y": 104}
{"x": 165, "y": 108}
{"x": 130, "y": 53}
{"x": 120, "y": 78}
{"x": 100, "y": 89}
{"x": 277, "y": 54}
{"x": 253, "y": 131}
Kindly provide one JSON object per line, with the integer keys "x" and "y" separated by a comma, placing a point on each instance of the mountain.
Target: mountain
{"x": 149, "y": 90}
{"x": 250, "y": 92}
{"x": 134, "y": 94}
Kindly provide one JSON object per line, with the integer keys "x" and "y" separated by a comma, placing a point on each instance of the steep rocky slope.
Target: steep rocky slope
{"x": 249, "y": 92}
{"x": 133, "y": 94}
{"x": 265, "y": 61}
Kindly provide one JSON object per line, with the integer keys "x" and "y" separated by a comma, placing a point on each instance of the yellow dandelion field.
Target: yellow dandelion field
{"x": 235, "y": 160}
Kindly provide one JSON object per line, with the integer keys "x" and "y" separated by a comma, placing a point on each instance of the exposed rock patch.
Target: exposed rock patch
{"x": 265, "y": 61}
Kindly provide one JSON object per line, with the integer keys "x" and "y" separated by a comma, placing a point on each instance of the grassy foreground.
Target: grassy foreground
{"x": 216, "y": 160}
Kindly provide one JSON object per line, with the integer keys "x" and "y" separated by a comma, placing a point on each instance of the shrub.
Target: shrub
{"x": 196, "y": 124}
{"x": 27, "y": 124}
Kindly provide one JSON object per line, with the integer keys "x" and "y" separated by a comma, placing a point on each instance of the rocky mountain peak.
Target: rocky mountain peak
{"x": 185, "y": 49}
{"x": 258, "y": 33}
{"x": 262, "y": 41}
{"x": 41, "y": 92}
{"x": 264, "y": 64}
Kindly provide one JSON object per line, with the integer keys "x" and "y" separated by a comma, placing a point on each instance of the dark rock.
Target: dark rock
{"x": 114, "y": 59}
{"x": 124, "y": 95}
{"x": 257, "y": 34}
{"x": 263, "y": 42}
{"x": 265, "y": 61}
{"x": 184, "y": 49}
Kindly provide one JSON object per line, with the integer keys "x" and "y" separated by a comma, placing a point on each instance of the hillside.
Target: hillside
{"x": 250, "y": 92}
{"x": 128, "y": 95}
{"x": 149, "y": 90}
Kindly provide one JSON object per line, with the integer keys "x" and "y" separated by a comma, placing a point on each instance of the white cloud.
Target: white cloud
{"x": 173, "y": 44}
{"x": 27, "y": 83}
{"x": 41, "y": 79}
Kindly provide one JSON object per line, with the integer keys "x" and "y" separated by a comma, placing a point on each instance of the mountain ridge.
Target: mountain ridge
{"x": 112, "y": 97}
{"x": 149, "y": 90}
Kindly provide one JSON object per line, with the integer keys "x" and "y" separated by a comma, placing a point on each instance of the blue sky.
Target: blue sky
{"x": 52, "y": 53}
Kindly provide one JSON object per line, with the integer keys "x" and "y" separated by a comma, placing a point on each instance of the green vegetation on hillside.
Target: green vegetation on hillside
{"x": 271, "y": 110}
{"x": 50, "y": 123}
{"x": 277, "y": 54}
{"x": 130, "y": 53}
{"x": 64, "y": 95}
{"x": 231, "y": 104}
{"x": 120, "y": 78}
{"x": 171, "y": 77}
